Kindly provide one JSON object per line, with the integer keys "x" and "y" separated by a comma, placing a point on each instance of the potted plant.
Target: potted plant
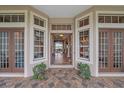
{"x": 84, "y": 71}
{"x": 39, "y": 71}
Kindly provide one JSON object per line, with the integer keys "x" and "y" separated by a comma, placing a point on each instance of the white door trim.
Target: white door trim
{"x": 49, "y": 48}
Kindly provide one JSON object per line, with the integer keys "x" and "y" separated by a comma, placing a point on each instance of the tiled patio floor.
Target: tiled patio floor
{"x": 62, "y": 78}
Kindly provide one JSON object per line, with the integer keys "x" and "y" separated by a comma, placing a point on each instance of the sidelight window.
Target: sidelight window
{"x": 84, "y": 44}
{"x": 38, "y": 44}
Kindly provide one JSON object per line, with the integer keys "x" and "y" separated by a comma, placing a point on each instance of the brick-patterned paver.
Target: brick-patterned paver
{"x": 62, "y": 78}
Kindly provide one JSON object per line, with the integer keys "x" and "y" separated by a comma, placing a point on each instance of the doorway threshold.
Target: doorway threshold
{"x": 111, "y": 74}
{"x": 11, "y": 74}
{"x": 61, "y": 66}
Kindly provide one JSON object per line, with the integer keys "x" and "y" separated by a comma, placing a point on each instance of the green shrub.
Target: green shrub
{"x": 84, "y": 71}
{"x": 39, "y": 71}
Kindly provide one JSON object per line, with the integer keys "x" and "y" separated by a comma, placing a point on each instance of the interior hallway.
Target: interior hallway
{"x": 61, "y": 59}
{"x": 61, "y": 49}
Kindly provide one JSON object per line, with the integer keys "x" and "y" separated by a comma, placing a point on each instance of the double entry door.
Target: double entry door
{"x": 11, "y": 49}
{"x": 111, "y": 50}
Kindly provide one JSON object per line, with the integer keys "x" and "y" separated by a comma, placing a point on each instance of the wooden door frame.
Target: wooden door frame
{"x": 11, "y": 49}
{"x": 110, "y": 50}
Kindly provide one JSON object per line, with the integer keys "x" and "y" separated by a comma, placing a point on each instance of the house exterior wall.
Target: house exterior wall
{"x": 94, "y": 9}
{"x": 28, "y": 66}
{"x": 29, "y": 9}
{"x": 31, "y": 63}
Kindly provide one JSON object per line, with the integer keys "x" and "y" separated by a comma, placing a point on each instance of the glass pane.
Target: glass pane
{"x": 21, "y": 18}
{"x": 1, "y": 18}
{"x": 19, "y": 49}
{"x": 68, "y": 27}
{"x": 114, "y": 19}
{"x": 14, "y": 18}
{"x": 121, "y": 19}
{"x": 118, "y": 49}
{"x": 58, "y": 27}
{"x": 38, "y": 44}
{"x": 101, "y": 19}
{"x": 7, "y": 18}
{"x": 53, "y": 27}
{"x": 84, "y": 44}
{"x": 41, "y": 23}
{"x": 81, "y": 23}
{"x": 107, "y": 19}
{"x": 86, "y": 21}
{"x": 103, "y": 49}
{"x": 36, "y": 21}
{"x": 4, "y": 58}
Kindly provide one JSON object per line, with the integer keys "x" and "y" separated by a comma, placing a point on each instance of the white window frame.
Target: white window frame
{"x": 77, "y": 46}
{"x": 39, "y": 17}
{"x": 40, "y": 28}
{"x": 35, "y": 59}
{"x": 14, "y": 24}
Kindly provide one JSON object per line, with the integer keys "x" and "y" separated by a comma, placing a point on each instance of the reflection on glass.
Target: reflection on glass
{"x": 38, "y": 44}
{"x": 19, "y": 49}
{"x": 84, "y": 44}
{"x": 4, "y": 50}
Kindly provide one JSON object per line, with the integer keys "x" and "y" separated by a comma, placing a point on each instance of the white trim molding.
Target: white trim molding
{"x": 77, "y": 30}
{"x": 45, "y": 30}
{"x": 61, "y": 66}
{"x": 12, "y": 75}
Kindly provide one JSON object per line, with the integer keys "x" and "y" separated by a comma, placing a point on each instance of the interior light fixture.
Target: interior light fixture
{"x": 61, "y": 35}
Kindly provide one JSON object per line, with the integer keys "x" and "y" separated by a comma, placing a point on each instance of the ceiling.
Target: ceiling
{"x": 62, "y": 11}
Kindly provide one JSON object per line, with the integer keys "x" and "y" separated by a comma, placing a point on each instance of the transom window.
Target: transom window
{"x": 84, "y": 44}
{"x": 39, "y": 21}
{"x": 111, "y": 19}
{"x": 12, "y": 18}
{"x": 61, "y": 27}
{"x": 84, "y": 22}
{"x": 38, "y": 44}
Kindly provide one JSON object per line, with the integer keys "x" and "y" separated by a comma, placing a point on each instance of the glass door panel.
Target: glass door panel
{"x": 117, "y": 50}
{"x": 111, "y": 50}
{"x": 19, "y": 49}
{"x": 4, "y": 55}
{"x": 11, "y": 50}
{"x": 103, "y": 51}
